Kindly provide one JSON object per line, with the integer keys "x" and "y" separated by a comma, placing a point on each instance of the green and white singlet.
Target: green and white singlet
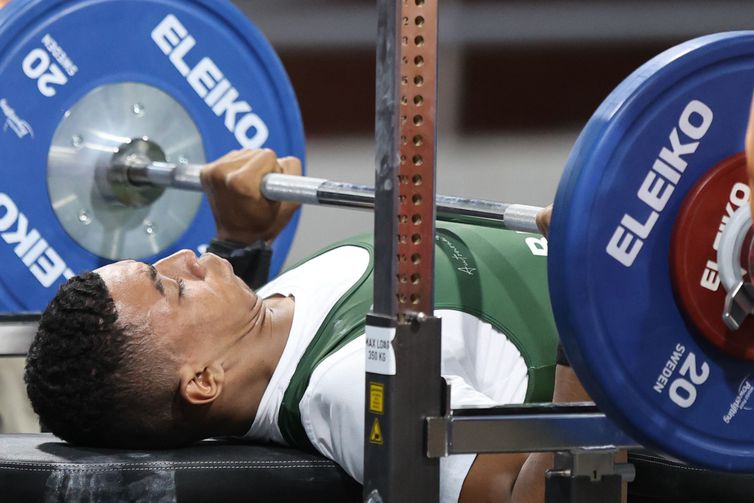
{"x": 498, "y": 338}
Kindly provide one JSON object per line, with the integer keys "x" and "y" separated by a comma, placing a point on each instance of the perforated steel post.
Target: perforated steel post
{"x": 416, "y": 175}
{"x": 403, "y": 384}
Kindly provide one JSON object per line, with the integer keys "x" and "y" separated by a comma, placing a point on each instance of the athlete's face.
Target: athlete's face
{"x": 198, "y": 307}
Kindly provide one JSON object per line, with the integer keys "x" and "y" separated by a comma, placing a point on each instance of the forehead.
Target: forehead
{"x": 125, "y": 271}
{"x": 131, "y": 287}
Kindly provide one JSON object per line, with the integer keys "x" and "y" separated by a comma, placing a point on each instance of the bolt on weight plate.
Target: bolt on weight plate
{"x": 610, "y": 277}
{"x": 80, "y": 79}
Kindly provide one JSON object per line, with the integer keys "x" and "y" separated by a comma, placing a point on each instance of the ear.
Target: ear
{"x": 204, "y": 386}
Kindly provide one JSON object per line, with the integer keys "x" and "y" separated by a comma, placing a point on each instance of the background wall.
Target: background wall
{"x": 518, "y": 80}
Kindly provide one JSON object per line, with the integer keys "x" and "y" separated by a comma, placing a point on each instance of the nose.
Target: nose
{"x": 181, "y": 264}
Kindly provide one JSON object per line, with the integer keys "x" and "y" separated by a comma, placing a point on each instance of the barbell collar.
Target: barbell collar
{"x": 729, "y": 249}
{"x": 319, "y": 191}
{"x": 739, "y": 297}
{"x": 164, "y": 174}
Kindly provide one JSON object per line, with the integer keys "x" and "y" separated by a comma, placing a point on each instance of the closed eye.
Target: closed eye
{"x": 181, "y": 288}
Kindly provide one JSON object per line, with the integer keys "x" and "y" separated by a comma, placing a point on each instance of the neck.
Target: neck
{"x": 253, "y": 361}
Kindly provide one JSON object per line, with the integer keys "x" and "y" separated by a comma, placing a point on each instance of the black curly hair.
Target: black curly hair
{"x": 85, "y": 373}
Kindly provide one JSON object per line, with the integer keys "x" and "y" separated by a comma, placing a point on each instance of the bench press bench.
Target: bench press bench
{"x": 40, "y": 467}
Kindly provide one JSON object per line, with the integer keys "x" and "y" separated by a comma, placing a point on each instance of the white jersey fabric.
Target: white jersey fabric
{"x": 482, "y": 366}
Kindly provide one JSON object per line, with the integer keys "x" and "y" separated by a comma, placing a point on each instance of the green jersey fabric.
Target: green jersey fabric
{"x": 497, "y": 276}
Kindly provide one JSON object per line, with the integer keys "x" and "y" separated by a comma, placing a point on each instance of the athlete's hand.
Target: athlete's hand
{"x": 233, "y": 185}
{"x": 543, "y": 220}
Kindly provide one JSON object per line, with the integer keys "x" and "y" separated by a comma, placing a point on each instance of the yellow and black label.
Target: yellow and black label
{"x": 375, "y": 435}
{"x": 376, "y": 397}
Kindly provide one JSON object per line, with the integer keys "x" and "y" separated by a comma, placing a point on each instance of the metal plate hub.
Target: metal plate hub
{"x": 127, "y": 222}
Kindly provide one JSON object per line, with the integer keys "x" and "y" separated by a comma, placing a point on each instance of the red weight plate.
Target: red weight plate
{"x": 693, "y": 254}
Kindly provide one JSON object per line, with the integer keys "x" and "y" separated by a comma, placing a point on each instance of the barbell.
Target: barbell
{"x": 132, "y": 172}
{"x": 640, "y": 210}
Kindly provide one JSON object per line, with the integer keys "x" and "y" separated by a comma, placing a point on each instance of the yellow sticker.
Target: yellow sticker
{"x": 376, "y": 397}
{"x": 375, "y": 436}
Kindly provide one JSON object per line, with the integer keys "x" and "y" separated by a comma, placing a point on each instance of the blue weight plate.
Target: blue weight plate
{"x": 668, "y": 123}
{"x": 204, "y": 55}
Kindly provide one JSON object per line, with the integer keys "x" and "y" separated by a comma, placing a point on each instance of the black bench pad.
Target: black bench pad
{"x": 43, "y": 468}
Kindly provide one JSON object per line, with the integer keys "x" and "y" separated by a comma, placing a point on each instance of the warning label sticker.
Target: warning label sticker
{"x": 376, "y": 397}
{"x": 379, "y": 353}
{"x": 375, "y": 434}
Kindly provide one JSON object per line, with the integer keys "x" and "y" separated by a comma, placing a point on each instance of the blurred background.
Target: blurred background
{"x": 518, "y": 80}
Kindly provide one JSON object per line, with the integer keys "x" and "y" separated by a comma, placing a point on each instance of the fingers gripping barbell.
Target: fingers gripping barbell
{"x": 633, "y": 266}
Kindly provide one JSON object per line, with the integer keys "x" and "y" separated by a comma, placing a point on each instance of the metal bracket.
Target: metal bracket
{"x": 587, "y": 475}
{"x": 527, "y": 428}
{"x": 739, "y": 303}
{"x": 594, "y": 463}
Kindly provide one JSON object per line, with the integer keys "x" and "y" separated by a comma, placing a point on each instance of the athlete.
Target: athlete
{"x": 145, "y": 356}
